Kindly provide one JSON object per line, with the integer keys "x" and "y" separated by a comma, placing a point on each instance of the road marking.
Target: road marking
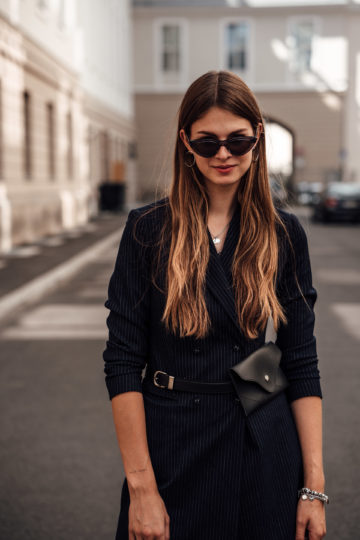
{"x": 24, "y": 252}
{"x": 338, "y": 276}
{"x": 321, "y": 251}
{"x": 52, "y": 241}
{"x": 60, "y": 321}
{"x": 349, "y": 315}
{"x": 36, "y": 288}
{"x": 95, "y": 291}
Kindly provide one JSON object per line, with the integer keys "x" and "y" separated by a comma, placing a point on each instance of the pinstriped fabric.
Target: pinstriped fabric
{"x": 221, "y": 476}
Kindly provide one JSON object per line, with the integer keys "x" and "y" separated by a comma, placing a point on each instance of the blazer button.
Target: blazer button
{"x": 196, "y": 351}
{"x": 236, "y": 348}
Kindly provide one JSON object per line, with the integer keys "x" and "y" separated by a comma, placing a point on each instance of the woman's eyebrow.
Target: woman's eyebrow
{"x": 241, "y": 130}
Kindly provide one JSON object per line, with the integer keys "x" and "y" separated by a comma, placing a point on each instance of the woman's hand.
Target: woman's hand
{"x": 310, "y": 517}
{"x": 148, "y": 518}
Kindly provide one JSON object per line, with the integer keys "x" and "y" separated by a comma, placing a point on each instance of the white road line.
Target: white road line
{"x": 24, "y": 252}
{"x": 60, "y": 321}
{"x": 338, "y": 276}
{"x": 349, "y": 316}
{"x": 325, "y": 250}
{"x": 49, "y": 281}
{"x": 24, "y": 334}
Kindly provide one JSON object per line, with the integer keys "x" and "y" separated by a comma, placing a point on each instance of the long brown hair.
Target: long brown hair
{"x": 255, "y": 261}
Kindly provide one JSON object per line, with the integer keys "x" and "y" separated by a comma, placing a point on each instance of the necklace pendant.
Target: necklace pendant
{"x": 216, "y": 240}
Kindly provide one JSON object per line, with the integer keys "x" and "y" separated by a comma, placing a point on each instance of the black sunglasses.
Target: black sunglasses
{"x": 237, "y": 146}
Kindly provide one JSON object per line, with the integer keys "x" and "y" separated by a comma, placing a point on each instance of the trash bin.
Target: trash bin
{"x": 112, "y": 196}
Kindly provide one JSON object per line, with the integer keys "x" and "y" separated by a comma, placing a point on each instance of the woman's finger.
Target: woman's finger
{"x": 300, "y": 529}
{"x": 167, "y": 527}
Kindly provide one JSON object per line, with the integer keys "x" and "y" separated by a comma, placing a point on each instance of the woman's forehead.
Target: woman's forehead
{"x": 220, "y": 122}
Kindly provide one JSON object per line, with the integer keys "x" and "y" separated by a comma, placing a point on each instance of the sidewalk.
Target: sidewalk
{"x": 29, "y": 272}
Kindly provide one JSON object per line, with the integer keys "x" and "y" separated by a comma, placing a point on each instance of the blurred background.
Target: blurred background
{"x": 89, "y": 91}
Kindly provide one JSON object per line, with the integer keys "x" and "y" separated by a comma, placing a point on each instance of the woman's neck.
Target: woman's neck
{"x": 222, "y": 203}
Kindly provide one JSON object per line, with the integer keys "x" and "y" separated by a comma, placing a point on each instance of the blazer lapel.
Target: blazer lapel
{"x": 219, "y": 269}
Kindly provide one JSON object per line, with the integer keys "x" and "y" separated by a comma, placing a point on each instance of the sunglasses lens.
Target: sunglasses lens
{"x": 205, "y": 148}
{"x": 238, "y": 147}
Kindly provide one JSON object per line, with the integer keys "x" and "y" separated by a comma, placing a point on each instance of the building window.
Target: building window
{"x": 50, "y": 139}
{"x": 43, "y": 5}
{"x": 70, "y": 154}
{"x": 237, "y": 46}
{"x": 171, "y": 53}
{"x": 27, "y": 134}
{"x": 1, "y": 134}
{"x": 43, "y": 9}
{"x": 170, "y": 40}
{"x": 104, "y": 155}
{"x": 61, "y": 15}
{"x": 301, "y": 42}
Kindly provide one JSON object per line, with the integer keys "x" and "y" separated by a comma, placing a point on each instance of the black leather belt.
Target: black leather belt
{"x": 163, "y": 380}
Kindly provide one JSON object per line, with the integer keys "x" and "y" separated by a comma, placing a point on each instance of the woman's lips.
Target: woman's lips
{"x": 224, "y": 168}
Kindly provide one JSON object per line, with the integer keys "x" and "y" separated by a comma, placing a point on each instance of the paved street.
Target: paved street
{"x": 61, "y": 470}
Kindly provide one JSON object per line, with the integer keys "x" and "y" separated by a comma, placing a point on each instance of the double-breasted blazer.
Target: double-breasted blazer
{"x": 222, "y": 476}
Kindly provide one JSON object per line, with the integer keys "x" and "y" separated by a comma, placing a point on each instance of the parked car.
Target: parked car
{"x": 308, "y": 193}
{"x": 338, "y": 201}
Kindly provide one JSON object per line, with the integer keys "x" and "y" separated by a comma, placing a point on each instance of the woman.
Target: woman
{"x": 197, "y": 276}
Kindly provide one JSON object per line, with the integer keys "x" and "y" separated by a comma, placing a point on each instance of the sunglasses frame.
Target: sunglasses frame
{"x": 225, "y": 142}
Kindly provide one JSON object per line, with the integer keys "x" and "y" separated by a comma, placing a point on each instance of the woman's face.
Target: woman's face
{"x": 223, "y": 168}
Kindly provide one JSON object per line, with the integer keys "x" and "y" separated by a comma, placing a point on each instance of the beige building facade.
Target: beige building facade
{"x": 299, "y": 60}
{"x": 66, "y": 113}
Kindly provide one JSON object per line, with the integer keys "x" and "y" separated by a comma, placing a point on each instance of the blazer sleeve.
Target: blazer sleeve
{"x": 128, "y": 300}
{"x": 296, "y": 338}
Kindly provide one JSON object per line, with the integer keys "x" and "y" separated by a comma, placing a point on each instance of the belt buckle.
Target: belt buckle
{"x": 170, "y": 384}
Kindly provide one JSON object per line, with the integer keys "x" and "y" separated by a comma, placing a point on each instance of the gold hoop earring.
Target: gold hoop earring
{"x": 187, "y": 163}
{"x": 254, "y": 159}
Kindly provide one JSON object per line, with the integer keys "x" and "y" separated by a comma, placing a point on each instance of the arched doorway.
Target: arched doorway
{"x": 280, "y": 155}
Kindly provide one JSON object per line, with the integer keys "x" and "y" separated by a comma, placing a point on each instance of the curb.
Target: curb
{"x": 49, "y": 281}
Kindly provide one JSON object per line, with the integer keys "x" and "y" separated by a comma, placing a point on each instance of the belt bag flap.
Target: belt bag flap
{"x": 259, "y": 378}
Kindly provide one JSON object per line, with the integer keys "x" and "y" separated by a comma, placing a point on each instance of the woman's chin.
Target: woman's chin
{"x": 222, "y": 181}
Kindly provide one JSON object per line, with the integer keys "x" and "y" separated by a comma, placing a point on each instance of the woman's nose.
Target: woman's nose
{"x": 223, "y": 152}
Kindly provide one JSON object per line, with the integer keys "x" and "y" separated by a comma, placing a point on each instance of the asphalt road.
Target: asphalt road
{"x": 61, "y": 471}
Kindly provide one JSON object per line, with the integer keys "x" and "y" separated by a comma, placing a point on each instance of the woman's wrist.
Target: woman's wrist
{"x": 315, "y": 482}
{"x": 141, "y": 481}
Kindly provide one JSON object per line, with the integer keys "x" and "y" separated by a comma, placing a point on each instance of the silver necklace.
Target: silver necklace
{"x": 216, "y": 239}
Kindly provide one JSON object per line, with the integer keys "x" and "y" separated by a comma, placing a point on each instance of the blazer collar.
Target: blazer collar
{"x": 219, "y": 278}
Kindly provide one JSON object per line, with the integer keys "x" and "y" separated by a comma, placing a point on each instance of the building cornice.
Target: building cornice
{"x": 26, "y": 37}
{"x": 246, "y": 11}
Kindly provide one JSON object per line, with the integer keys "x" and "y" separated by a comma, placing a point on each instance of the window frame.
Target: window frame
{"x": 27, "y": 134}
{"x": 180, "y": 77}
{"x": 248, "y": 73}
{"x": 1, "y": 131}
{"x": 294, "y": 74}
{"x": 51, "y": 139}
{"x": 43, "y": 12}
{"x": 69, "y": 126}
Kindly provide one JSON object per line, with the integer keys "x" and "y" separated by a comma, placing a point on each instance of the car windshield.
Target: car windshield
{"x": 344, "y": 189}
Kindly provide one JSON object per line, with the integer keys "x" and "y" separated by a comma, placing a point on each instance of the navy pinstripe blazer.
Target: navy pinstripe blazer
{"x": 221, "y": 476}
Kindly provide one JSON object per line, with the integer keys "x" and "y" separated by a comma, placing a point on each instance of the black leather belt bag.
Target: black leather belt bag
{"x": 259, "y": 378}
